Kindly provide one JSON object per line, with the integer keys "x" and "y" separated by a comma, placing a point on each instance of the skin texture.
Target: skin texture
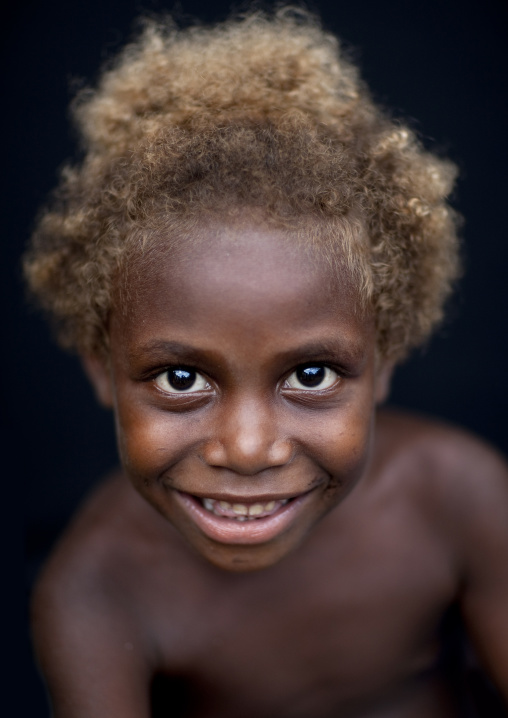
{"x": 337, "y": 609}
{"x": 237, "y": 309}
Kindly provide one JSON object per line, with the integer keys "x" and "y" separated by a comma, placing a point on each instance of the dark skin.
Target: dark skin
{"x": 244, "y": 373}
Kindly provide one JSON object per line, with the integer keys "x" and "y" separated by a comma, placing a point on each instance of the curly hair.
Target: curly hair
{"x": 257, "y": 113}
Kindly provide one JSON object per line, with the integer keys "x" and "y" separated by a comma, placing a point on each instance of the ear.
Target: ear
{"x": 383, "y": 380}
{"x": 99, "y": 374}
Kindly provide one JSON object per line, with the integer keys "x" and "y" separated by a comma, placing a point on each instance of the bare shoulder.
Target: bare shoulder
{"x": 87, "y": 632}
{"x": 446, "y": 449}
{"x": 459, "y": 478}
{"x": 114, "y": 539}
{"x": 94, "y": 539}
{"x": 461, "y": 484}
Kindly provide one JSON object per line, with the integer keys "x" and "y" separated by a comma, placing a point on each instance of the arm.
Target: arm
{"x": 89, "y": 648}
{"x": 484, "y": 546}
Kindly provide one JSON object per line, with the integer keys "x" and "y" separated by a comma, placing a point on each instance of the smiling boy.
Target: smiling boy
{"x": 247, "y": 250}
{"x": 234, "y": 321}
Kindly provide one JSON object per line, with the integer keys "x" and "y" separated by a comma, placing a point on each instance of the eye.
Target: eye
{"x": 312, "y": 377}
{"x": 179, "y": 380}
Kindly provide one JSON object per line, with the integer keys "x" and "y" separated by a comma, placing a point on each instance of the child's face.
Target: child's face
{"x": 244, "y": 384}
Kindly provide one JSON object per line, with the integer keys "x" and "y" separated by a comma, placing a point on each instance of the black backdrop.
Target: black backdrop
{"x": 440, "y": 63}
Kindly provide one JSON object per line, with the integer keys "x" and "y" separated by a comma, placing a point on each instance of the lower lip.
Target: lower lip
{"x": 230, "y": 531}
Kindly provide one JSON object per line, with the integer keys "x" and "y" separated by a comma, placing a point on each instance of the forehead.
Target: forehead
{"x": 254, "y": 279}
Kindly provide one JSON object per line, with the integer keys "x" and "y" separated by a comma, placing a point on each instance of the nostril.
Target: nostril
{"x": 214, "y": 454}
{"x": 281, "y": 453}
{"x": 246, "y": 438}
{"x": 247, "y": 457}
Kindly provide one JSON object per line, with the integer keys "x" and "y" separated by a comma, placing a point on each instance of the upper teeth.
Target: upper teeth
{"x": 242, "y": 512}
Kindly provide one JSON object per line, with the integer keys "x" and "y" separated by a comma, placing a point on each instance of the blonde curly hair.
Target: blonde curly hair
{"x": 257, "y": 113}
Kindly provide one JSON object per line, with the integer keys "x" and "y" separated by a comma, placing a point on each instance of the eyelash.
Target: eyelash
{"x": 179, "y": 374}
{"x": 322, "y": 372}
{"x": 329, "y": 376}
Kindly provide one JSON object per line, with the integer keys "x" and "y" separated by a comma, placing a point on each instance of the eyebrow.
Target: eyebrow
{"x": 333, "y": 349}
{"x": 161, "y": 348}
{"x": 322, "y": 350}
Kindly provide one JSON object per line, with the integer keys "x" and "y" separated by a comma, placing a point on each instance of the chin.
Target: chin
{"x": 245, "y": 559}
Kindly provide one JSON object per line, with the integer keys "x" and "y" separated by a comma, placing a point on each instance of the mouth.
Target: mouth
{"x": 242, "y": 522}
{"x": 243, "y": 511}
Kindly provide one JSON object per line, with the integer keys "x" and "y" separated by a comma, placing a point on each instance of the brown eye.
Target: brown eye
{"x": 312, "y": 377}
{"x": 178, "y": 380}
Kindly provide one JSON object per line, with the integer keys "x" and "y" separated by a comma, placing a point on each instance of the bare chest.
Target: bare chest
{"x": 353, "y": 623}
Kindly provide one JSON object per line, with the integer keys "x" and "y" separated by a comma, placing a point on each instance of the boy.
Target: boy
{"x": 247, "y": 250}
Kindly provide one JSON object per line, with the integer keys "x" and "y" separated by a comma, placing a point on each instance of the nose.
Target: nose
{"x": 247, "y": 439}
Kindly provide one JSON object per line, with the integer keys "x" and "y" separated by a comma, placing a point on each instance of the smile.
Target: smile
{"x": 243, "y": 512}
{"x": 243, "y": 522}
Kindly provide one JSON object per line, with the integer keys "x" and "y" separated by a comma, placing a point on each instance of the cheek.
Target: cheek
{"x": 343, "y": 446}
{"x": 148, "y": 442}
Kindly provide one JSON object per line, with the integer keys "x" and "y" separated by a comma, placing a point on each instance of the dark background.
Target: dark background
{"x": 441, "y": 64}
